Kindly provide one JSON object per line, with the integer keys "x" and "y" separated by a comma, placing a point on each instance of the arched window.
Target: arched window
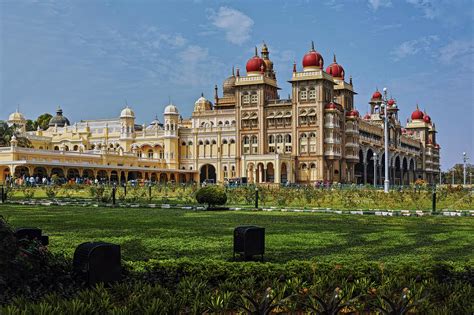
{"x": 207, "y": 142}
{"x": 232, "y": 140}
{"x": 190, "y": 143}
{"x": 279, "y": 139}
{"x": 226, "y": 173}
{"x": 227, "y": 123}
{"x": 75, "y": 148}
{"x": 271, "y": 139}
{"x": 56, "y": 148}
{"x": 246, "y": 140}
{"x": 288, "y": 138}
{"x": 183, "y": 143}
{"x": 150, "y": 154}
{"x": 213, "y": 142}
{"x": 200, "y": 142}
{"x": 220, "y": 124}
{"x": 224, "y": 141}
{"x": 254, "y": 140}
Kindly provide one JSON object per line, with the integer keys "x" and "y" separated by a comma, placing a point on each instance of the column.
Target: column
{"x": 365, "y": 173}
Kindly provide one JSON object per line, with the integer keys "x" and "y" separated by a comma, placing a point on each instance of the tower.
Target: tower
{"x": 127, "y": 127}
{"x": 171, "y": 136}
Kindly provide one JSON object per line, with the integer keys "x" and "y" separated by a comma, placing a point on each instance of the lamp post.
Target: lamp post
{"x": 384, "y": 107}
{"x": 375, "y": 169}
{"x": 452, "y": 175}
{"x": 464, "y": 159}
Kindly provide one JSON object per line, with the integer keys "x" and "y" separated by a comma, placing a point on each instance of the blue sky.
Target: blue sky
{"x": 90, "y": 57}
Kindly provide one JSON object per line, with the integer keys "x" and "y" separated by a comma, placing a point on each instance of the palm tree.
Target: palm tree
{"x": 6, "y": 133}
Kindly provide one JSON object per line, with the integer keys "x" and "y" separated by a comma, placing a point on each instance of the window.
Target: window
{"x": 288, "y": 138}
{"x": 254, "y": 139}
{"x": 254, "y": 98}
{"x": 150, "y": 154}
{"x": 232, "y": 168}
{"x": 271, "y": 139}
{"x": 226, "y": 174}
{"x": 288, "y": 148}
{"x": 246, "y": 140}
{"x": 246, "y": 99}
{"x": 303, "y": 95}
{"x": 312, "y": 94}
{"x": 279, "y": 139}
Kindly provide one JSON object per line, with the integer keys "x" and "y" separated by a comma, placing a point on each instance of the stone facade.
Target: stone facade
{"x": 247, "y": 132}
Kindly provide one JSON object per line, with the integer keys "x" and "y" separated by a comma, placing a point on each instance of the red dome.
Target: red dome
{"x": 377, "y": 95}
{"x": 427, "y": 119}
{"x": 313, "y": 59}
{"x": 330, "y": 106}
{"x": 391, "y": 102}
{"x": 255, "y": 64}
{"x": 352, "y": 113}
{"x": 367, "y": 116}
{"x": 335, "y": 69}
{"x": 417, "y": 114}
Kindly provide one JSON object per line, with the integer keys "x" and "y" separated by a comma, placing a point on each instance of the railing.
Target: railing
{"x": 332, "y": 141}
{"x": 307, "y": 74}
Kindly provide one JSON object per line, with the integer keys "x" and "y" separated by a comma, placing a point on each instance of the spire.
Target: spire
{"x": 312, "y": 45}
{"x": 350, "y": 80}
{"x": 256, "y": 51}
{"x": 334, "y": 59}
{"x": 238, "y": 72}
{"x": 294, "y": 66}
{"x": 202, "y": 93}
{"x": 233, "y": 71}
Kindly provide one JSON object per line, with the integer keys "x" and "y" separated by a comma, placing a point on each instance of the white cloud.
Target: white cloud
{"x": 429, "y": 9}
{"x": 376, "y": 4}
{"x": 236, "y": 25}
{"x": 412, "y": 47}
{"x": 457, "y": 50}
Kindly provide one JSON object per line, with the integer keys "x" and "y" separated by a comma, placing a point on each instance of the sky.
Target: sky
{"x": 94, "y": 57}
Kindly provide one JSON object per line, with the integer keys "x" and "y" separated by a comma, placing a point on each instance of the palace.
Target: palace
{"x": 247, "y": 132}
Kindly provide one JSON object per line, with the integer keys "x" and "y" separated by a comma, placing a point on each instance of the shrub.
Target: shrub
{"x": 28, "y": 192}
{"x": 211, "y": 195}
{"x": 50, "y": 191}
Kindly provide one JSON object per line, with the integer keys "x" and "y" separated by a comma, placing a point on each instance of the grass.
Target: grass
{"x": 147, "y": 233}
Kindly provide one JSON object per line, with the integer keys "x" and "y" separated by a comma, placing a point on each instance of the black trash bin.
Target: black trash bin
{"x": 32, "y": 234}
{"x": 98, "y": 262}
{"x": 249, "y": 240}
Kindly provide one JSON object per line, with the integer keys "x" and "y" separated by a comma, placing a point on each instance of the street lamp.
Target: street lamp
{"x": 375, "y": 169}
{"x": 465, "y": 158}
{"x": 452, "y": 176}
{"x": 385, "y": 117}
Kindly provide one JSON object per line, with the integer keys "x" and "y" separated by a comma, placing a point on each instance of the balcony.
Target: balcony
{"x": 332, "y": 141}
{"x": 331, "y": 125}
{"x": 352, "y": 145}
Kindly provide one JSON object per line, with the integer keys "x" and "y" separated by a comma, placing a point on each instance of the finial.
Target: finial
{"x": 350, "y": 80}
{"x": 312, "y": 45}
{"x": 18, "y": 108}
{"x": 294, "y": 65}
{"x": 233, "y": 71}
{"x": 238, "y": 72}
{"x": 256, "y": 51}
{"x": 202, "y": 94}
{"x": 334, "y": 58}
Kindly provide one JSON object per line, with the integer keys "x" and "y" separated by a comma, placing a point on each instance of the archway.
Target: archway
{"x": 270, "y": 176}
{"x": 182, "y": 178}
{"x": 40, "y": 172}
{"x": 153, "y": 177}
{"x": 5, "y": 173}
{"x": 359, "y": 169}
{"x": 114, "y": 177}
{"x": 72, "y": 173}
{"x": 102, "y": 175}
{"x": 163, "y": 178}
{"x": 370, "y": 166}
{"x": 405, "y": 174}
{"x": 397, "y": 171}
{"x": 88, "y": 174}
{"x": 259, "y": 178}
{"x": 58, "y": 172}
{"x": 207, "y": 173}
{"x": 283, "y": 173}
{"x": 21, "y": 171}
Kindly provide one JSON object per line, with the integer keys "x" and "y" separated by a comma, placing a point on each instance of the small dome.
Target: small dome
{"x": 59, "y": 119}
{"x": 336, "y": 70}
{"x": 353, "y": 113}
{"x": 255, "y": 64}
{"x": 391, "y": 102}
{"x": 155, "y": 124}
{"x": 417, "y": 114}
{"x": 427, "y": 119}
{"x": 202, "y": 104}
{"x": 228, "y": 86}
{"x": 171, "y": 109}
{"x": 127, "y": 112}
{"x": 377, "y": 95}
{"x": 16, "y": 117}
{"x": 367, "y": 116}
{"x": 313, "y": 59}
{"x": 331, "y": 106}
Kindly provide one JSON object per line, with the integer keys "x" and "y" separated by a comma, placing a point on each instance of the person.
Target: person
{"x": 32, "y": 181}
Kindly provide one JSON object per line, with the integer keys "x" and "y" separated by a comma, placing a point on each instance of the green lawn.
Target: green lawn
{"x": 171, "y": 233}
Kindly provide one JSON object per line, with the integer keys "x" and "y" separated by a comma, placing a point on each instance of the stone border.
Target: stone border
{"x": 377, "y": 212}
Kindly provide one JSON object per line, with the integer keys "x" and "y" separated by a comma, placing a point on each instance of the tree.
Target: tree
{"x": 30, "y": 125}
{"x": 43, "y": 121}
{"x": 6, "y": 133}
{"x": 212, "y": 195}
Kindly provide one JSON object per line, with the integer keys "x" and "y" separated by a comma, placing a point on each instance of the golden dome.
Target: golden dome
{"x": 16, "y": 117}
{"x": 202, "y": 104}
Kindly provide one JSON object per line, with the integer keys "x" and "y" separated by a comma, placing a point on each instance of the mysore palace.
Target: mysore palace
{"x": 245, "y": 132}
